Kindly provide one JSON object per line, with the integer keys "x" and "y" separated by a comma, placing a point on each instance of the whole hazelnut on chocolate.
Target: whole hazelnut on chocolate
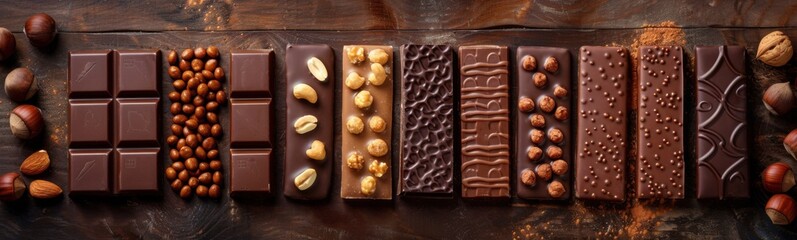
{"x": 555, "y": 135}
{"x": 551, "y": 64}
{"x": 781, "y": 209}
{"x": 553, "y": 152}
{"x": 21, "y": 84}
{"x": 525, "y": 104}
{"x": 534, "y": 154}
{"x": 529, "y": 63}
{"x": 8, "y": 44}
{"x": 12, "y": 187}
{"x": 537, "y": 120}
{"x": 779, "y": 99}
{"x": 540, "y": 80}
{"x": 528, "y": 178}
{"x": 26, "y": 121}
{"x": 790, "y": 143}
{"x": 546, "y": 104}
{"x": 777, "y": 178}
{"x": 40, "y": 29}
{"x": 561, "y": 113}
{"x": 559, "y": 92}
{"x": 536, "y": 136}
{"x": 556, "y": 189}
{"x": 544, "y": 171}
{"x": 559, "y": 167}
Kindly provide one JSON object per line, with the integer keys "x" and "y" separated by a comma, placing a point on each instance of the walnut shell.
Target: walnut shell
{"x": 775, "y": 49}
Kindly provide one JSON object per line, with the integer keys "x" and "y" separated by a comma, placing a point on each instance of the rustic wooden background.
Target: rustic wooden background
{"x": 254, "y": 24}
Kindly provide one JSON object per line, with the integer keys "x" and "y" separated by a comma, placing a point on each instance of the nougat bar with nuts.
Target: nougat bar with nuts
{"x": 543, "y": 140}
{"x": 366, "y": 119}
{"x": 602, "y": 115}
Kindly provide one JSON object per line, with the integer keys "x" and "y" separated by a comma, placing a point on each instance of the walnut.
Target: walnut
{"x": 378, "y": 56}
{"x": 537, "y": 120}
{"x": 525, "y": 105}
{"x": 363, "y": 99}
{"x": 534, "y": 153}
{"x": 555, "y": 135}
{"x": 544, "y": 171}
{"x": 551, "y": 64}
{"x": 556, "y": 189}
{"x": 354, "y": 125}
{"x": 554, "y": 152}
{"x": 368, "y": 185}
{"x": 528, "y": 177}
{"x": 377, "y": 168}
{"x": 377, "y": 124}
{"x": 355, "y": 54}
{"x": 546, "y": 103}
{"x": 377, "y": 147}
{"x": 355, "y": 161}
{"x": 559, "y": 167}
{"x": 559, "y": 92}
{"x": 561, "y": 113}
{"x": 537, "y": 136}
{"x": 354, "y": 81}
{"x": 540, "y": 80}
{"x": 529, "y": 63}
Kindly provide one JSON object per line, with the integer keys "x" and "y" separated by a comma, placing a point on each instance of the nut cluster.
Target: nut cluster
{"x": 307, "y": 123}
{"x": 12, "y": 186}
{"x": 545, "y": 152}
{"x": 195, "y": 129}
{"x": 363, "y": 99}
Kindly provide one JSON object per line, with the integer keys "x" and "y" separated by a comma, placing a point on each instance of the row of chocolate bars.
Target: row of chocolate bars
{"x": 116, "y": 146}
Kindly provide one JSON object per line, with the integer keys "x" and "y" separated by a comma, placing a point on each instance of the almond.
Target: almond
{"x": 36, "y": 163}
{"x": 44, "y": 189}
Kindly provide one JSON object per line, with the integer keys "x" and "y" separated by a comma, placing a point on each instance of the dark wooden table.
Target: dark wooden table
{"x": 274, "y": 24}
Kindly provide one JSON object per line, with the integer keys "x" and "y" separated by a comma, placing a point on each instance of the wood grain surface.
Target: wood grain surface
{"x": 245, "y": 25}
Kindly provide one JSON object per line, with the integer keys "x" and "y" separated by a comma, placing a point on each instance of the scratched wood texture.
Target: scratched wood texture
{"x": 165, "y": 26}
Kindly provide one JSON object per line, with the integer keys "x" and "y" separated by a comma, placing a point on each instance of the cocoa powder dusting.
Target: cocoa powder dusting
{"x": 664, "y": 33}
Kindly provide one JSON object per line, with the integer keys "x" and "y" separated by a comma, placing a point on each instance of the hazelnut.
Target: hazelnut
{"x": 555, "y": 135}
{"x": 790, "y": 143}
{"x": 355, "y": 54}
{"x": 377, "y": 147}
{"x": 40, "y": 29}
{"x": 8, "y": 44}
{"x": 212, "y": 52}
{"x": 21, "y": 85}
{"x": 377, "y": 168}
{"x": 775, "y": 49}
{"x": 172, "y": 58}
{"x": 12, "y": 187}
{"x": 779, "y": 99}
{"x": 777, "y": 178}
{"x": 525, "y": 105}
{"x": 556, "y": 189}
{"x": 553, "y": 152}
{"x": 185, "y": 192}
{"x": 528, "y": 177}
{"x": 354, "y": 81}
{"x": 26, "y": 121}
{"x": 544, "y": 171}
{"x": 355, "y": 161}
{"x": 534, "y": 153}
{"x": 546, "y": 104}
{"x": 378, "y": 56}
{"x": 559, "y": 167}
{"x": 377, "y": 124}
{"x": 177, "y": 184}
{"x": 540, "y": 80}
{"x": 559, "y": 92}
{"x": 537, "y": 136}
{"x": 378, "y": 74}
{"x": 781, "y": 209}
{"x": 368, "y": 185}
{"x": 363, "y": 99}
{"x": 201, "y": 191}
{"x": 561, "y": 113}
{"x": 354, "y": 125}
{"x": 200, "y": 53}
{"x": 174, "y": 72}
{"x": 187, "y": 54}
{"x": 551, "y": 64}
{"x": 529, "y": 63}
{"x": 537, "y": 120}
{"x": 214, "y": 191}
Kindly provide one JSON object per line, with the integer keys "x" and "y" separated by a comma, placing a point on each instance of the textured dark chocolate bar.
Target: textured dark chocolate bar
{"x": 602, "y": 116}
{"x": 543, "y": 152}
{"x": 484, "y": 119}
{"x": 660, "y": 126}
{"x": 427, "y": 120}
{"x": 297, "y": 160}
{"x": 722, "y": 161}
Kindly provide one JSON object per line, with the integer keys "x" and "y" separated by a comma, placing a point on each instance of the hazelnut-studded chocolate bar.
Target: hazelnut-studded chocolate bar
{"x": 543, "y": 140}
{"x": 722, "y": 162}
{"x": 427, "y": 121}
{"x": 602, "y": 132}
{"x": 251, "y": 125}
{"x": 484, "y": 117}
{"x": 660, "y": 126}
{"x": 367, "y": 111}
{"x": 309, "y": 140}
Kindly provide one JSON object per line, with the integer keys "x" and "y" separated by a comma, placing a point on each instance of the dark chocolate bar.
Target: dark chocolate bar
{"x": 543, "y": 152}
{"x": 251, "y": 172}
{"x": 427, "y": 121}
{"x": 660, "y": 126}
{"x": 300, "y": 153}
{"x": 137, "y": 170}
{"x": 485, "y": 121}
{"x": 90, "y": 74}
{"x": 722, "y": 161}
{"x": 602, "y": 115}
{"x": 90, "y": 171}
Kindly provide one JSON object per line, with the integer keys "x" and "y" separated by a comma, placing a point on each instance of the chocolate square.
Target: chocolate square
{"x": 89, "y": 123}
{"x": 89, "y": 171}
{"x": 251, "y": 73}
{"x": 250, "y": 171}
{"x": 137, "y": 73}
{"x": 250, "y": 123}
{"x": 90, "y": 74}
{"x": 137, "y": 170}
{"x": 136, "y": 122}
